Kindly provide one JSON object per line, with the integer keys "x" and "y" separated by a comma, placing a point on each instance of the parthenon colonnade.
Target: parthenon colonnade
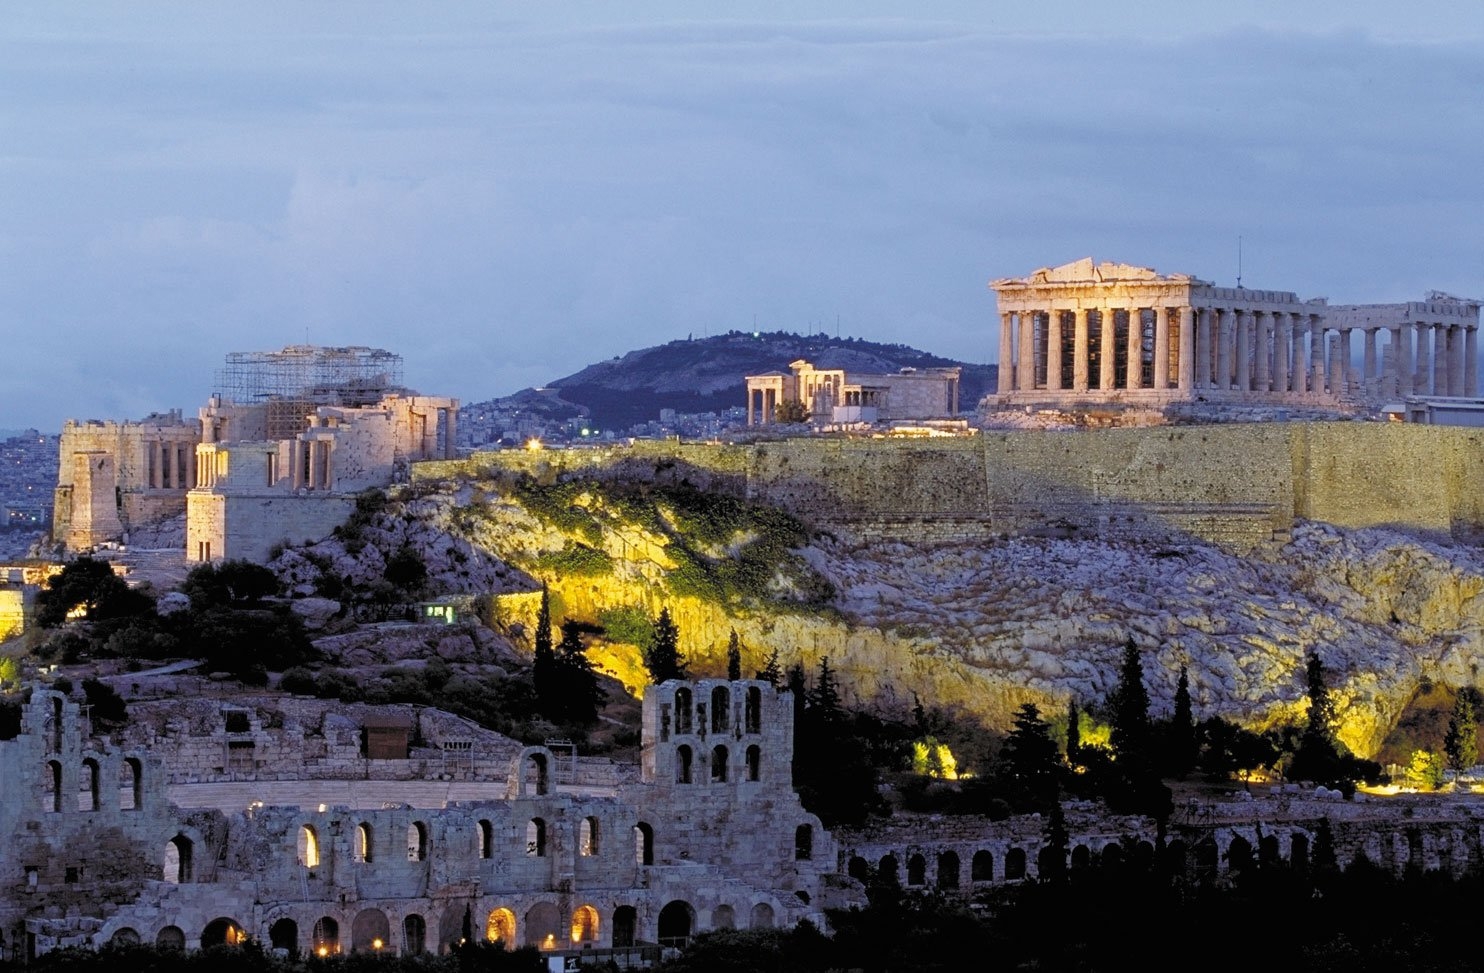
{"x": 1431, "y": 346}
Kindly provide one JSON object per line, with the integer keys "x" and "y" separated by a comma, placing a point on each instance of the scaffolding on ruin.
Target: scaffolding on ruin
{"x": 293, "y": 381}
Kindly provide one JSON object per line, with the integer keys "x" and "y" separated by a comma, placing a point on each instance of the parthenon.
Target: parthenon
{"x": 1086, "y": 332}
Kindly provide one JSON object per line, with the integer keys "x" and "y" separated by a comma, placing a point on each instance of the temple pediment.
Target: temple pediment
{"x": 1085, "y": 271}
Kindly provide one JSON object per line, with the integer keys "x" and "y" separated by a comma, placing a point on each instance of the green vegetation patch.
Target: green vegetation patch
{"x": 575, "y": 560}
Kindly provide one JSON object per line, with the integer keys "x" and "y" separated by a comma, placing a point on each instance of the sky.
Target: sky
{"x": 503, "y": 193}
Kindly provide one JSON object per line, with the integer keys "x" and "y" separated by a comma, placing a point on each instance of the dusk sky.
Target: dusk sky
{"x": 504, "y": 193}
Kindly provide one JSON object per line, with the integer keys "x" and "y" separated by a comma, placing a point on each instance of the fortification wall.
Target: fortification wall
{"x": 1238, "y": 485}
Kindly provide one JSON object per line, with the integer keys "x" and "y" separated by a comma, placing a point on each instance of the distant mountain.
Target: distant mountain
{"x": 707, "y": 374}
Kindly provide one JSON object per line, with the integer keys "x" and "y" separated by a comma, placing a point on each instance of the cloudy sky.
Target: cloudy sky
{"x": 503, "y": 193}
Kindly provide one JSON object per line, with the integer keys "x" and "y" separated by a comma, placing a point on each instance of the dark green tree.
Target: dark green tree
{"x": 107, "y": 707}
{"x": 1461, "y": 741}
{"x": 1179, "y": 751}
{"x": 89, "y": 586}
{"x": 1028, "y": 761}
{"x": 1321, "y": 718}
{"x": 1130, "y": 710}
{"x": 1320, "y": 756}
{"x": 1052, "y": 863}
{"x": 662, "y": 657}
{"x": 232, "y": 583}
{"x": 1074, "y": 733}
{"x": 544, "y": 676}
{"x": 734, "y": 657}
{"x": 771, "y": 673}
{"x": 832, "y": 766}
{"x": 579, "y": 695}
{"x": 824, "y": 699}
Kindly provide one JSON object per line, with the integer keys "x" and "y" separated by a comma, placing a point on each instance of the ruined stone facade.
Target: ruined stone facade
{"x": 831, "y": 396}
{"x": 705, "y": 833}
{"x": 1085, "y": 334}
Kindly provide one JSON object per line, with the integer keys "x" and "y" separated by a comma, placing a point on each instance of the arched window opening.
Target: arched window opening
{"x": 537, "y": 774}
{"x": 417, "y": 842}
{"x": 859, "y": 869}
{"x": 585, "y": 925}
{"x": 643, "y": 844}
{"x": 887, "y": 869}
{"x": 57, "y": 724}
{"x": 178, "y": 860}
{"x": 365, "y": 850}
{"x": 325, "y": 939}
{"x": 981, "y": 868}
{"x": 544, "y": 926}
{"x": 948, "y": 871}
{"x": 131, "y": 784}
{"x": 677, "y": 922}
{"x": 171, "y": 937}
{"x": 682, "y": 764}
{"x": 223, "y": 932}
{"x": 1014, "y": 864}
{"x": 500, "y": 927}
{"x": 1298, "y": 851}
{"x": 486, "y": 839}
{"x": 762, "y": 916}
{"x": 308, "y": 847}
{"x": 1267, "y": 849}
{"x": 803, "y": 842}
{"x": 753, "y": 710}
{"x": 125, "y": 936}
{"x": 754, "y": 762}
{"x": 724, "y": 917}
{"x": 414, "y": 935}
{"x": 683, "y": 709}
{"x": 587, "y": 839}
{"x": 369, "y": 931}
{"x": 87, "y": 793}
{"x": 916, "y": 870}
{"x": 1081, "y": 858}
{"x": 721, "y": 707}
{"x": 625, "y": 925}
{"x": 53, "y": 796}
{"x": 284, "y": 935}
{"x": 1111, "y": 858}
{"x": 536, "y": 838}
{"x": 719, "y": 765}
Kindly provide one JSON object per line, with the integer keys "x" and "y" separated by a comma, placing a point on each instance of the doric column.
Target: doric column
{"x": 1470, "y": 361}
{"x": 1202, "y": 375}
{"x": 1300, "y": 376}
{"x": 1439, "y": 359}
{"x": 1455, "y": 359}
{"x": 1244, "y": 350}
{"x": 1186, "y": 377}
{"x": 1159, "y": 373}
{"x": 1079, "y": 351}
{"x": 1053, "y": 350}
{"x": 1224, "y": 347}
{"x": 1335, "y": 352}
{"x": 1282, "y": 348}
{"x": 1005, "y": 381}
{"x": 1105, "y": 349}
{"x": 1134, "y": 374}
{"x": 451, "y": 434}
{"x": 154, "y": 465}
{"x": 1316, "y": 353}
{"x": 1263, "y": 352}
{"x": 1025, "y": 366}
{"x": 1368, "y": 363}
{"x": 1422, "y": 366}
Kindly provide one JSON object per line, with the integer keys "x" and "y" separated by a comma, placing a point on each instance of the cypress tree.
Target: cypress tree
{"x": 1461, "y": 742}
{"x": 1182, "y": 728}
{"x": 771, "y": 673}
{"x": 579, "y": 695}
{"x": 734, "y": 658}
{"x": 662, "y": 658}
{"x": 1028, "y": 760}
{"x": 1130, "y": 731}
{"x": 1074, "y": 733}
{"x": 1053, "y": 859}
{"x": 544, "y": 666}
{"x": 1321, "y": 719}
{"x": 825, "y": 699}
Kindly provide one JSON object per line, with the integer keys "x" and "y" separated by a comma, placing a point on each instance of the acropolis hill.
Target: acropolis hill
{"x": 984, "y": 571}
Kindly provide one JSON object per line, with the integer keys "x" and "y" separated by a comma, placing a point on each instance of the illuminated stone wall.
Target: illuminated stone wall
{"x": 138, "y": 474}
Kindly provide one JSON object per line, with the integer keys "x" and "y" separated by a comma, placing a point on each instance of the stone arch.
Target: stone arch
{"x": 369, "y": 931}
{"x": 887, "y": 868}
{"x": 1207, "y": 857}
{"x": 178, "y": 867}
{"x": 723, "y": 917}
{"x": 754, "y": 762}
{"x": 1267, "y": 849}
{"x": 87, "y": 785}
{"x": 1050, "y": 860}
{"x": 500, "y": 926}
{"x": 324, "y": 940}
{"x": 530, "y": 773}
{"x": 414, "y": 935}
{"x": 170, "y": 937}
{"x": 543, "y": 925}
{"x": 683, "y": 760}
{"x": 721, "y": 709}
{"x": 1238, "y": 855}
{"x": 484, "y": 838}
{"x": 684, "y": 710}
{"x": 643, "y": 844}
{"x": 1081, "y": 858}
{"x": 858, "y": 869}
{"x": 131, "y": 784}
{"x": 948, "y": 870}
{"x": 308, "y": 846}
{"x": 625, "y": 926}
{"x": 451, "y": 925}
{"x": 677, "y": 922}
{"x": 1175, "y": 859}
{"x": 719, "y": 764}
{"x": 365, "y": 842}
{"x": 753, "y": 710}
{"x": 584, "y": 925}
{"x": 125, "y": 936}
{"x": 589, "y": 837}
{"x": 1298, "y": 850}
{"x": 417, "y": 842}
{"x": 284, "y": 935}
{"x": 536, "y": 838}
{"x": 52, "y": 801}
{"x": 762, "y": 916}
{"x": 916, "y": 869}
{"x": 223, "y": 932}
{"x": 1014, "y": 864}
{"x": 1111, "y": 857}
{"x": 981, "y": 866}
{"x": 804, "y": 843}
{"x": 1144, "y": 856}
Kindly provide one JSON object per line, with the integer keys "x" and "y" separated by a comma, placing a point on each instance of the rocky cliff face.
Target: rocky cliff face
{"x": 982, "y": 628}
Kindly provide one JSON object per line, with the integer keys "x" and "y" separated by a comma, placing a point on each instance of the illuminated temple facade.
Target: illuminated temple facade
{"x": 1085, "y": 333}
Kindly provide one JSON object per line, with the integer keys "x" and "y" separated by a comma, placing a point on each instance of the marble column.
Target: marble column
{"x": 1455, "y": 359}
{"x": 1025, "y": 366}
{"x": 1105, "y": 349}
{"x": 1079, "y": 350}
{"x": 1224, "y": 348}
{"x": 1186, "y": 377}
{"x": 1440, "y": 367}
{"x": 1202, "y": 375}
{"x": 1471, "y": 362}
{"x": 1422, "y": 366}
{"x": 1282, "y": 349}
{"x": 1005, "y": 381}
{"x": 1244, "y": 350}
{"x": 1300, "y": 377}
{"x": 1264, "y": 351}
{"x": 1161, "y": 370}
{"x": 1316, "y": 353}
{"x": 1053, "y": 350}
{"x": 1368, "y": 363}
{"x": 1134, "y": 373}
